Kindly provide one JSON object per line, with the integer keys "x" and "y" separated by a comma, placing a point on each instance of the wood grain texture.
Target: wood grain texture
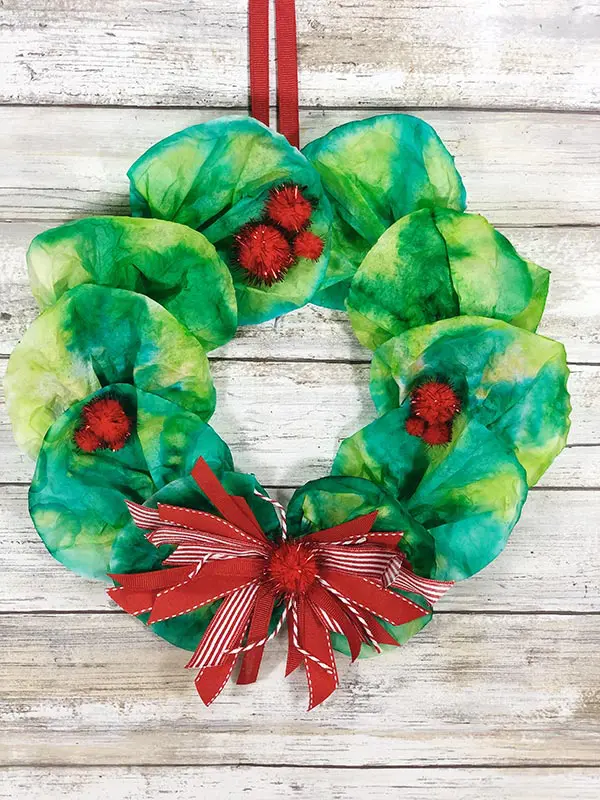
{"x": 520, "y": 168}
{"x": 308, "y": 783}
{"x": 480, "y": 689}
{"x": 284, "y": 421}
{"x": 572, "y": 313}
{"x": 378, "y": 53}
{"x": 527, "y": 577}
{"x": 498, "y": 698}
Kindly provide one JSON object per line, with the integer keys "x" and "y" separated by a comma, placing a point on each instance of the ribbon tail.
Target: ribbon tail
{"x": 321, "y": 672}
{"x": 390, "y": 606}
{"x": 134, "y": 603}
{"x": 333, "y": 608}
{"x": 259, "y": 630}
{"x": 294, "y": 659}
{"x": 211, "y": 681}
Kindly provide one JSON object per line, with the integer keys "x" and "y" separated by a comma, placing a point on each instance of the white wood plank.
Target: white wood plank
{"x": 519, "y": 168}
{"x": 284, "y": 421}
{"x": 572, "y": 312}
{"x": 539, "y": 54}
{"x": 528, "y": 576}
{"x": 309, "y": 783}
{"x": 492, "y": 689}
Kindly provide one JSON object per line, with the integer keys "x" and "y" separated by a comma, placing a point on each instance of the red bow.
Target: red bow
{"x": 331, "y": 580}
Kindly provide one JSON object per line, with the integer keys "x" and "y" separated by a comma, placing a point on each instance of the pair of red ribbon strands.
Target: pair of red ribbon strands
{"x": 287, "y": 65}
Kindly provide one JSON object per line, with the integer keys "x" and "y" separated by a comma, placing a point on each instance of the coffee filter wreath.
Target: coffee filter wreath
{"x": 110, "y": 391}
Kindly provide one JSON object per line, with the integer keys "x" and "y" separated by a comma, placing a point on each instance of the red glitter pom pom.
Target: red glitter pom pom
{"x": 86, "y": 440}
{"x": 106, "y": 418}
{"x": 438, "y": 434}
{"x": 308, "y": 245}
{"x": 435, "y": 402}
{"x": 264, "y": 252}
{"x": 293, "y": 568}
{"x": 415, "y": 426}
{"x": 288, "y": 207}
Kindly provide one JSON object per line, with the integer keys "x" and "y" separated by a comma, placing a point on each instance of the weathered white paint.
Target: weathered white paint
{"x": 496, "y": 689}
{"x": 519, "y": 168}
{"x": 307, "y": 783}
{"x": 540, "y": 54}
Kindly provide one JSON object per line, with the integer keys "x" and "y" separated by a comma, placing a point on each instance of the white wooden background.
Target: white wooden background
{"x": 500, "y": 696}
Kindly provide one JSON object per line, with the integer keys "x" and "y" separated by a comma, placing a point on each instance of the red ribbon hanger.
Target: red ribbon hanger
{"x": 287, "y": 65}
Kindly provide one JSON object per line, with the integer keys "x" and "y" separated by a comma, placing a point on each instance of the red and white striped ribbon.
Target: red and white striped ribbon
{"x": 280, "y": 510}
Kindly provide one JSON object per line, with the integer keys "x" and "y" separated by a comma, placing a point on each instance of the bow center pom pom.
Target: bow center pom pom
{"x": 288, "y": 207}
{"x": 264, "y": 252}
{"x": 293, "y": 568}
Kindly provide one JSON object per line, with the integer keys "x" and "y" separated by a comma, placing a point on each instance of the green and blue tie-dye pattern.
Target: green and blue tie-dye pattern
{"x": 76, "y": 498}
{"x": 466, "y": 497}
{"x": 92, "y": 337}
{"x": 169, "y": 263}
{"x": 437, "y": 263}
{"x": 512, "y": 381}
{"x": 216, "y": 177}
{"x": 375, "y": 171}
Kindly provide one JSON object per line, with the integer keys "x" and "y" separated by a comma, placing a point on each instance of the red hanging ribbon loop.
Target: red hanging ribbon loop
{"x": 287, "y": 65}
{"x": 258, "y": 50}
{"x": 287, "y": 70}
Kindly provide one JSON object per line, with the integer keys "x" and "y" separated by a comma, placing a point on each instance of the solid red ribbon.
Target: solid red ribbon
{"x": 287, "y": 65}
{"x": 258, "y": 52}
{"x": 333, "y": 582}
{"x": 287, "y": 70}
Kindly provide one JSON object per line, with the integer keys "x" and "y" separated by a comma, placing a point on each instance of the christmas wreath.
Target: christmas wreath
{"x": 110, "y": 391}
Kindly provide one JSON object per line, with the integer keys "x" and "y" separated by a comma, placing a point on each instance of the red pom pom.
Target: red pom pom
{"x": 107, "y": 419}
{"x": 415, "y": 426}
{"x": 293, "y": 568}
{"x": 86, "y": 440}
{"x": 264, "y": 252}
{"x": 438, "y": 434}
{"x": 288, "y": 207}
{"x": 435, "y": 402}
{"x": 308, "y": 245}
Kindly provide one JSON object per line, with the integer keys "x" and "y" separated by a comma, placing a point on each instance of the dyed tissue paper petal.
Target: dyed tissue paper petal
{"x": 216, "y": 177}
{"x": 77, "y": 499}
{"x": 132, "y": 552}
{"x": 326, "y": 502}
{"x": 512, "y": 381}
{"x": 92, "y": 337}
{"x": 437, "y": 263}
{"x": 468, "y": 495}
{"x": 172, "y": 264}
{"x": 375, "y": 171}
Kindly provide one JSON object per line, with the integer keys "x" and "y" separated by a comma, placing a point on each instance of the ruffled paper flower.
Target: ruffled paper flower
{"x": 510, "y": 380}
{"x": 93, "y": 337}
{"x": 436, "y": 264}
{"x": 221, "y": 176}
{"x": 375, "y": 171}
{"x": 177, "y": 267}
{"x": 461, "y": 500}
{"x": 81, "y": 481}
